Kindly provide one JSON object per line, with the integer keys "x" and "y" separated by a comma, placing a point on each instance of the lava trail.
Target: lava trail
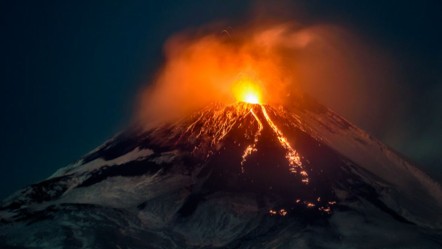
{"x": 292, "y": 155}
{"x": 252, "y": 147}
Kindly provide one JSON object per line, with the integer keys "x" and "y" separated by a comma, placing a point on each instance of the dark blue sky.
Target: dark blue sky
{"x": 70, "y": 71}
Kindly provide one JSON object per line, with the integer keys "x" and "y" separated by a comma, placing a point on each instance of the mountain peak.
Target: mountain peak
{"x": 234, "y": 176}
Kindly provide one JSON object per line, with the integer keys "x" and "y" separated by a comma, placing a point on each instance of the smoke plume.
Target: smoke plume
{"x": 325, "y": 61}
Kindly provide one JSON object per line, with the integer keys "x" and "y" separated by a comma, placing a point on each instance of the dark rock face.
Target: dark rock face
{"x": 222, "y": 178}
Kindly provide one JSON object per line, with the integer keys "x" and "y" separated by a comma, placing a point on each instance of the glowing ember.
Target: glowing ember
{"x": 281, "y": 212}
{"x": 326, "y": 210}
{"x": 310, "y": 204}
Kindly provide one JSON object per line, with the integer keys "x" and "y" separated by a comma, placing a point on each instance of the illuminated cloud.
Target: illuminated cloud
{"x": 266, "y": 63}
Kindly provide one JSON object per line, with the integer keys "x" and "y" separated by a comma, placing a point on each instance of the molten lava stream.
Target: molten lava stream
{"x": 252, "y": 147}
{"x": 292, "y": 155}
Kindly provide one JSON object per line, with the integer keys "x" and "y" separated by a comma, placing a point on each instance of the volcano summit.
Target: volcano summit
{"x": 232, "y": 176}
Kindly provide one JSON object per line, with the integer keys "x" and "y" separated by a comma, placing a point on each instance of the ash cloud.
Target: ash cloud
{"x": 326, "y": 61}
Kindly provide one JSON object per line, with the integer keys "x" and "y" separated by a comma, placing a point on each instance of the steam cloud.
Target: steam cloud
{"x": 324, "y": 61}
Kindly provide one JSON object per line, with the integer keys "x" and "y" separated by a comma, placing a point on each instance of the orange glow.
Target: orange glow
{"x": 201, "y": 70}
{"x": 251, "y": 98}
{"x": 271, "y": 63}
{"x": 246, "y": 90}
{"x": 283, "y": 212}
{"x": 264, "y": 67}
{"x": 310, "y": 204}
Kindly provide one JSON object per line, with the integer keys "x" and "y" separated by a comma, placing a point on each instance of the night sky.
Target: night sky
{"x": 70, "y": 71}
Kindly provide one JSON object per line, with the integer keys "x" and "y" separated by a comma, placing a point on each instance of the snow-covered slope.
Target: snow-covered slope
{"x": 240, "y": 176}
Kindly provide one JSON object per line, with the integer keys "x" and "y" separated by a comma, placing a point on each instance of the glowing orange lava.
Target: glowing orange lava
{"x": 252, "y": 148}
{"x": 214, "y": 123}
{"x": 292, "y": 155}
{"x": 247, "y": 90}
{"x": 251, "y": 98}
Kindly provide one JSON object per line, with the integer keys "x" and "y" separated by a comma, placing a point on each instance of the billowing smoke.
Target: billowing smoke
{"x": 327, "y": 62}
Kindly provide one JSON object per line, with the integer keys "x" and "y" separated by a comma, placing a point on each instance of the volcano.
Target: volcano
{"x": 232, "y": 176}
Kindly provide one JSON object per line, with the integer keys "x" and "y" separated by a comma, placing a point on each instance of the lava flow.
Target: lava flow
{"x": 252, "y": 147}
{"x": 253, "y": 117}
{"x": 249, "y": 93}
